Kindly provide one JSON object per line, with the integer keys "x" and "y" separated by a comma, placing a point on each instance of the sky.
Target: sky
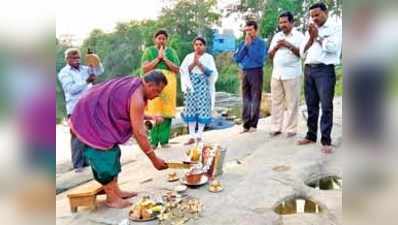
{"x": 79, "y": 18}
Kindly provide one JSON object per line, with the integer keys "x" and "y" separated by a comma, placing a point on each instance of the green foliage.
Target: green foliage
{"x": 254, "y": 5}
{"x": 185, "y": 20}
{"x": 267, "y": 69}
{"x": 59, "y": 64}
{"x": 228, "y": 79}
{"x": 120, "y": 51}
{"x": 267, "y": 12}
{"x": 339, "y": 90}
{"x": 228, "y": 70}
{"x": 269, "y": 21}
{"x": 181, "y": 46}
{"x": 148, "y": 29}
{"x": 60, "y": 57}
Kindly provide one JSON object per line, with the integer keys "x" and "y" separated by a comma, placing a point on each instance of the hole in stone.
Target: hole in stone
{"x": 297, "y": 205}
{"x": 281, "y": 168}
{"x": 326, "y": 183}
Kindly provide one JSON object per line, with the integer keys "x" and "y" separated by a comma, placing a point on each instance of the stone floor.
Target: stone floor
{"x": 252, "y": 187}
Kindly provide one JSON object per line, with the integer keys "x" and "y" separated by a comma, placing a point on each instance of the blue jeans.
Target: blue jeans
{"x": 319, "y": 84}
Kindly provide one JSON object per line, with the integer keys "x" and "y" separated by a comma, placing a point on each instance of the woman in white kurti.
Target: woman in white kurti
{"x": 198, "y": 77}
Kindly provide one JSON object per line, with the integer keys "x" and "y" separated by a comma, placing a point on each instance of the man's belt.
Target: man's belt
{"x": 318, "y": 65}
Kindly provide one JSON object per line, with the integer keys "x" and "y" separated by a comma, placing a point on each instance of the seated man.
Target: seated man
{"x": 108, "y": 115}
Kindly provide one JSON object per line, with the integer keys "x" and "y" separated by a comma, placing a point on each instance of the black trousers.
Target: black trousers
{"x": 319, "y": 85}
{"x": 252, "y": 85}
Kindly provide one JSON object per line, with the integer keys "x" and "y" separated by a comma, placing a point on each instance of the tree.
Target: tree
{"x": 120, "y": 50}
{"x": 267, "y": 12}
{"x": 269, "y": 21}
{"x": 186, "y": 19}
{"x": 59, "y": 64}
{"x": 149, "y": 27}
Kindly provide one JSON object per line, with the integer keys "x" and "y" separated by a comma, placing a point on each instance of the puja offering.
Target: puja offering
{"x": 171, "y": 196}
{"x": 194, "y": 175}
{"x": 195, "y": 153}
{"x": 213, "y": 159}
{"x": 215, "y": 186}
{"x": 203, "y": 180}
{"x": 175, "y": 213}
{"x": 144, "y": 210}
{"x": 179, "y": 164}
{"x": 171, "y": 177}
{"x": 180, "y": 188}
{"x": 206, "y": 162}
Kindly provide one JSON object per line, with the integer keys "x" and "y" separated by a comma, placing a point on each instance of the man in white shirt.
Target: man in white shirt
{"x": 284, "y": 51}
{"x": 75, "y": 80}
{"x": 321, "y": 50}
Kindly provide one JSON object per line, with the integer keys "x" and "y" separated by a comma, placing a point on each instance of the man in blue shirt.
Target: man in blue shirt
{"x": 250, "y": 56}
{"x": 76, "y": 79}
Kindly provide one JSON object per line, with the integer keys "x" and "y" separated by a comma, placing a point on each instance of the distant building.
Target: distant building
{"x": 223, "y": 42}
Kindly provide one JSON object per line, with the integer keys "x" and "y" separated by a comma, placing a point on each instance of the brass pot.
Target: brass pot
{"x": 193, "y": 178}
